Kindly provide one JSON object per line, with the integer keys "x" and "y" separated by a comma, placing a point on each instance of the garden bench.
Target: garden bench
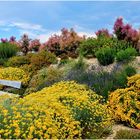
{"x": 9, "y": 83}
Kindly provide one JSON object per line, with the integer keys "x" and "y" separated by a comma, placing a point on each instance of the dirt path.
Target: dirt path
{"x": 94, "y": 62}
{"x": 116, "y": 128}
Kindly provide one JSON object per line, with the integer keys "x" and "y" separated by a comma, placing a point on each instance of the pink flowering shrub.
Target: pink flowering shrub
{"x": 67, "y": 43}
{"x": 24, "y": 43}
{"x": 125, "y": 31}
{"x": 4, "y": 40}
{"x": 34, "y": 45}
{"x": 53, "y": 44}
{"x": 103, "y": 32}
{"x": 12, "y": 39}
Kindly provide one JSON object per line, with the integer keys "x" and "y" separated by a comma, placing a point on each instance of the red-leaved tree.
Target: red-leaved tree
{"x": 125, "y": 31}
{"x": 103, "y": 32}
{"x": 66, "y": 43}
{"x": 34, "y": 45}
{"x": 24, "y": 43}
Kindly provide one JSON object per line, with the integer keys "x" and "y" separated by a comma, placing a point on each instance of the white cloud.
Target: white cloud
{"x": 27, "y": 26}
{"x": 87, "y": 34}
{"x": 36, "y": 31}
{"x": 45, "y": 37}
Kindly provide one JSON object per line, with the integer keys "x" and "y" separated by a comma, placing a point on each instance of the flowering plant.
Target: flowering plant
{"x": 125, "y": 31}
{"x": 34, "y": 45}
{"x": 65, "y": 110}
{"x": 125, "y": 104}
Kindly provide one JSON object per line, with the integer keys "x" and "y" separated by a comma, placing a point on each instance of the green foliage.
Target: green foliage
{"x": 105, "y": 56}
{"x": 120, "y": 44}
{"x": 80, "y": 64}
{"x": 7, "y": 50}
{"x": 88, "y": 47}
{"x": 44, "y": 78}
{"x": 101, "y": 81}
{"x": 63, "y": 62}
{"x": 2, "y": 61}
{"x": 130, "y": 70}
{"x": 42, "y": 59}
{"x": 127, "y": 134}
{"x": 104, "y": 82}
{"x": 126, "y": 55}
{"x": 119, "y": 80}
{"x": 17, "y": 61}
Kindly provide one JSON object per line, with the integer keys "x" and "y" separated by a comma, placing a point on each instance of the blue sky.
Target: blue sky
{"x": 41, "y": 19}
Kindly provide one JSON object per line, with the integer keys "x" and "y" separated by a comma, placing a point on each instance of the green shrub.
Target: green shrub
{"x": 104, "y": 82}
{"x": 127, "y": 134}
{"x": 44, "y": 78}
{"x": 88, "y": 47}
{"x": 30, "y": 69}
{"x": 7, "y": 50}
{"x": 120, "y": 44}
{"x": 63, "y": 62}
{"x": 17, "y": 61}
{"x": 99, "y": 80}
{"x": 105, "y": 56}
{"x": 2, "y": 61}
{"x": 126, "y": 55}
{"x": 80, "y": 64}
{"x": 120, "y": 79}
{"x": 130, "y": 70}
{"x": 42, "y": 59}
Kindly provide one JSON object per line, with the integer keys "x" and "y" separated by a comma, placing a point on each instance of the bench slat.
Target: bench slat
{"x": 2, "y": 92}
{"x": 15, "y": 84}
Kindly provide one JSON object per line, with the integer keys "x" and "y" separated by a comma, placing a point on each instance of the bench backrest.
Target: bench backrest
{"x": 14, "y": 84}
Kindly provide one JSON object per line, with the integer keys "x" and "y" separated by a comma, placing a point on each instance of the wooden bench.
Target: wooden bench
{"x": 9, "y": 83}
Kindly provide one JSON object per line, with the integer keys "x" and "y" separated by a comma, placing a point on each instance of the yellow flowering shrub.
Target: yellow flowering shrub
{"x": 125, "y": 103}
{"x": 4, "y": 97}
{"x": 14, "y": 74}
{"x": 65, "y": 110}
{"x": 134, "y": 81}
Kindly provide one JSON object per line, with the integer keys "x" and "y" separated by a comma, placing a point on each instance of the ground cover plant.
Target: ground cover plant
{"x": 100, "y": 81}
{"x": 64, "y": 110}
{"x": 14, "y": 74}
{"x": 127, "y": 134}
{"x": 125, "y": 104}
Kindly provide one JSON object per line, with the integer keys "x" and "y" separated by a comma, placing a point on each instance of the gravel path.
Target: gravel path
{"x": 93, "y": 62}
{"x": 118, "y": 127}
